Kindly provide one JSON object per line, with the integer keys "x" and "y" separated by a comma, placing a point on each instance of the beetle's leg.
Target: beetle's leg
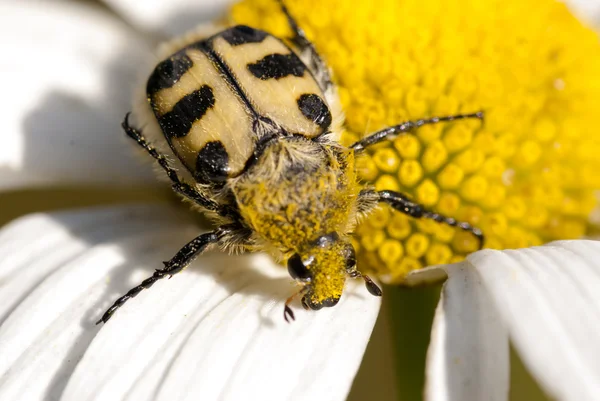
{"x": 180, "y": 261}
{"x": 316, "y": 64}
{"x": 394, "y": 131}
{"x": 405, "y": 205}
{"x": 288, "y": 313}
{"x": 178, "y": 186}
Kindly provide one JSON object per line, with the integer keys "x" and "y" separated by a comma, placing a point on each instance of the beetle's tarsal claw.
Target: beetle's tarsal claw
{"x": 288, "y": 314}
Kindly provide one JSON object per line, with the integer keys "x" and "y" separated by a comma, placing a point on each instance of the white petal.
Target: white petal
{"x": 587, "y": 10}
{"x": 172, "y": 17}
{"x": 52, "y": 273}
{"x": 468, "y": 355}
{"x": 549, "y": 299}
{"x": 427, "y": 275}
{"x": 68, "y": 75}
{"x": 216, "y": 329}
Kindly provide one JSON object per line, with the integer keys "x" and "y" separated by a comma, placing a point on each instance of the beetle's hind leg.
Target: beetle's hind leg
{"x": 178, "y": 186}
{"x": 316, "y": 64}
{"x": 413, "y": 209}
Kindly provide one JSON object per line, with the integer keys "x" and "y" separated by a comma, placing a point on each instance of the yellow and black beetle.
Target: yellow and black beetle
{"x": 252, "y": 127}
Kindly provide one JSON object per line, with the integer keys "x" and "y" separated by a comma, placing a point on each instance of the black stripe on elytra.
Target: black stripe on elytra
{"x": 178, "y": 122}
{"x": 277, "y": 66}
{"x": 315, "y": 109}
{"x": 206, "y": 48}
{"x": 242, "y": 34}
{"x": 212, "y": 163}
{"x": 168, "y": 72}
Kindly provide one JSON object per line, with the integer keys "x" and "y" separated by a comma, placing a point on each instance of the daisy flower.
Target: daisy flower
{"x": 216, "y": 331}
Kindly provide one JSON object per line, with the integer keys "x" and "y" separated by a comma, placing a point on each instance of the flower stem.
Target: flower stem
{"x": 411, "y": 314}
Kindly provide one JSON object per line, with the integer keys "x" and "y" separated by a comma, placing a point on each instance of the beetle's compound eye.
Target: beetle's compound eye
{"x": 297, "y": 269}
{"x": 350, "y": 256}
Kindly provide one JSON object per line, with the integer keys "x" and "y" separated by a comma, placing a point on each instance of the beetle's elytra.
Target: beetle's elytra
{"x": 251, "y": 124}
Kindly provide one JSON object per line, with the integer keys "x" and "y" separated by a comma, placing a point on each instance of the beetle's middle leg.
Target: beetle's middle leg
{"x": 228, "y": 234}
{"x": 181, "y": 260}
{"x": 413, "y": 209}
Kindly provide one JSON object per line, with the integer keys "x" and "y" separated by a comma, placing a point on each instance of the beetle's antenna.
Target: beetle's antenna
{"x": 373, "y": 288}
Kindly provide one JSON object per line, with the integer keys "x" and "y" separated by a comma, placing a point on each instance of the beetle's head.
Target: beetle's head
{"x": 322, "y": 266}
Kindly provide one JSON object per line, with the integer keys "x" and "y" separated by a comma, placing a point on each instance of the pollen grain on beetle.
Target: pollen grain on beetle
{"x": 526, "y": 176}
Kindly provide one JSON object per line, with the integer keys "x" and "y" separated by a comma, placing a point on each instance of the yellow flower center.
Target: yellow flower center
{"x": 526, "y": 176}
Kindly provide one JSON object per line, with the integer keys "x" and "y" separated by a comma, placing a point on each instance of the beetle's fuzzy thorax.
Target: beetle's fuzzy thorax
{"x": 298, "y": 191}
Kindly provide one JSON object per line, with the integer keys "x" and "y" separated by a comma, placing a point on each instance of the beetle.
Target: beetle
{"x": 251, "y": 125}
